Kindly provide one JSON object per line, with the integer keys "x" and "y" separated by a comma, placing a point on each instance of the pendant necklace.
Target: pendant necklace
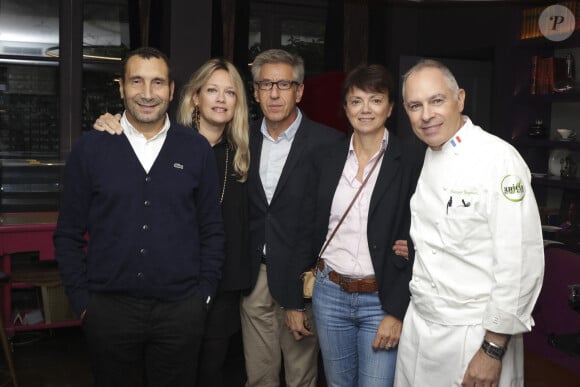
{"x": 225, "y": 173}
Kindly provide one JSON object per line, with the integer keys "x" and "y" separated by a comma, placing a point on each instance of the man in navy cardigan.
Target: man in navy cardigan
{"x": 149, "y": 202}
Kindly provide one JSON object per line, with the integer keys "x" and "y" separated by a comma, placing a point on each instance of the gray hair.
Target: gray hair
{"x": 279, "y": 56}
{"x": 431, "y": 63}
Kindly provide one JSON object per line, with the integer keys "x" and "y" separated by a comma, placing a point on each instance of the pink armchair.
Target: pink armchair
{"x": 552, "y": 314}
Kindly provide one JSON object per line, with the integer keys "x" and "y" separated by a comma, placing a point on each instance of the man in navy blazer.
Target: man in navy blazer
{"x": 277, "y": 324}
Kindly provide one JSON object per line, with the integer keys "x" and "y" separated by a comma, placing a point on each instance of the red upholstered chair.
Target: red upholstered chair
{"x": 552, "y": 314}
{"x": 321, "y": 101}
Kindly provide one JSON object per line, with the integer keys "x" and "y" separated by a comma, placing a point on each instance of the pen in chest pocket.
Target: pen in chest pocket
{"x": 450, "y": 204}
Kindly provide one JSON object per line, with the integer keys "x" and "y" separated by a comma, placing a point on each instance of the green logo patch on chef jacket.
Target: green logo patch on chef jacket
{"x": 513, "y": 188}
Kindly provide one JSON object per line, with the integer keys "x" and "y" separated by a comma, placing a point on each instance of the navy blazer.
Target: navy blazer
{"x": 276, "y": 225}
{"x": 389, "y": 216}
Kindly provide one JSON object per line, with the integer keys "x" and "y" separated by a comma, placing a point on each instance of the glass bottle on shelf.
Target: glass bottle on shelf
{"x": 538, "y": 129}
{"x": 569, "y": 80}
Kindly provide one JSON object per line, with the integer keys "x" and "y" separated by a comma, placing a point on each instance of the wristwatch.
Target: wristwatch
{"x": 492, "y": 349}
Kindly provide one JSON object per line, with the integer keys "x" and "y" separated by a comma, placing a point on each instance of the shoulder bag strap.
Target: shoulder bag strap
{"x": 350, "y": 205}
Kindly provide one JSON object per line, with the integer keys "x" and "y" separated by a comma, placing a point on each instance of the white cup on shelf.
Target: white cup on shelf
{"x": 565, "y": 133}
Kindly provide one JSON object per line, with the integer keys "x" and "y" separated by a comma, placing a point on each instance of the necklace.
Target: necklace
{"x": 225, "y": 174}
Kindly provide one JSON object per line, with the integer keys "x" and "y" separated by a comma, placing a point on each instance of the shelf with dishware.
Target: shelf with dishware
{"x": 554, "y": 181}
{"x": 552, "y": 163}
{"x": 526, "y": 141}
{"x": 544, "y": 108}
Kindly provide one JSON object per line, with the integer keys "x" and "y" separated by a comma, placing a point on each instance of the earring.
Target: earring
{"x": 195, "y": 117}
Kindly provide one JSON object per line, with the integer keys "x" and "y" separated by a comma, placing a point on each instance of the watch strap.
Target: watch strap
{"x": 493, "y": 350}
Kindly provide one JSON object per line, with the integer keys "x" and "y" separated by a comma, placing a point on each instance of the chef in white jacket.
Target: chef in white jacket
{"x": 479, "y": 258}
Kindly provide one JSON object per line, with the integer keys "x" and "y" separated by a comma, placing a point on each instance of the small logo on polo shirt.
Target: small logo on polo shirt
{"x": 178, "y": 166}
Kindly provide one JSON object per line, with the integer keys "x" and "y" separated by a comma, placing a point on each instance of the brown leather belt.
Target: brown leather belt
{"x": 349, "y": 284}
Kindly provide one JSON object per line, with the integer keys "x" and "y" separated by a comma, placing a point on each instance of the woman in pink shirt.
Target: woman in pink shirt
{"x": 357, "y": 219}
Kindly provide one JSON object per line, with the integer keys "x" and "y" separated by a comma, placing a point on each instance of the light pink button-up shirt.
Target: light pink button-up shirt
{"x": 348, "y": 252}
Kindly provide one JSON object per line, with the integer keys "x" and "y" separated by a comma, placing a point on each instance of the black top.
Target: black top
{"x": 236, "y": 269}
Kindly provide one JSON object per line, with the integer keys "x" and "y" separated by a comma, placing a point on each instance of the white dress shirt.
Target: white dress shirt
{"x": 146, "y": 150}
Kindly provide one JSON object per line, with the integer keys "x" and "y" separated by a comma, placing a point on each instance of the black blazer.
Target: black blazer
{"x": 276, "y": 225}
{"x": 389, "y": 216}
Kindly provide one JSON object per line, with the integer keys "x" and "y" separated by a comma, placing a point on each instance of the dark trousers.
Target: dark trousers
{"x": 223, "y": 322}
{"x": 137, "y": 342}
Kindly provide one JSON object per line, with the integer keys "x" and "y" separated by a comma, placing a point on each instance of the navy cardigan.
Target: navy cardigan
{"x": 155, "y": 235}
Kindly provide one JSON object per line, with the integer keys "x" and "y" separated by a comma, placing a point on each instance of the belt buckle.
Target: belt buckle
{"x": 343, "y": 282}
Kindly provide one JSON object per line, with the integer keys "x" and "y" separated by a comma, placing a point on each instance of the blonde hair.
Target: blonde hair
{"x": 237, "y": 130}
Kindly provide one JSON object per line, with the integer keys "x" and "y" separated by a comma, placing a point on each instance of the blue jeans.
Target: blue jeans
{"x": 347, "y": 324}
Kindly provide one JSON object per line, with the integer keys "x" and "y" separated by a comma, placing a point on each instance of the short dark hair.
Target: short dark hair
{"x": 370, "y": 78}
{"x": 145, "y": 53}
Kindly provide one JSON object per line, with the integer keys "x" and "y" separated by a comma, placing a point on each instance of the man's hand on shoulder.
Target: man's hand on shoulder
{"x": 109, "y": 123}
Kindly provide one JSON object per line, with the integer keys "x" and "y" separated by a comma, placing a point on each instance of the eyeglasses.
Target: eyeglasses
{"x": 282, "y": 84}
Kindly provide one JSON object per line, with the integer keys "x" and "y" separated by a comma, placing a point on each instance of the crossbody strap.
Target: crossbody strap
{"x": 350, "y": 205}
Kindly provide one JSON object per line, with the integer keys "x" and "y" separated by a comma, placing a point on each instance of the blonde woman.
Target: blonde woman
{"x": 214, "y": 103}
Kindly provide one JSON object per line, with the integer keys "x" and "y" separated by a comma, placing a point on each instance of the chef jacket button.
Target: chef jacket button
{"x": 140, "y": 275}
{"x": 433, "y": 284}
{"x": 437, "y": 222}
{"x": 434, "y": 252}
{"x": 145, "y": 227}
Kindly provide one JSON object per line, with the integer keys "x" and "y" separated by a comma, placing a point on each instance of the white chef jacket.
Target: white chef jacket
{"x": 479, "y": 258}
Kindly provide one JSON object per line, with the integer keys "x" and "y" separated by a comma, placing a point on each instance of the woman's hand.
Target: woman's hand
{"x": 109, "y": 123}
{"x": 298, "y": 324}
{"x": 401, "y": 249}
{"x": 388, "y": 334}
